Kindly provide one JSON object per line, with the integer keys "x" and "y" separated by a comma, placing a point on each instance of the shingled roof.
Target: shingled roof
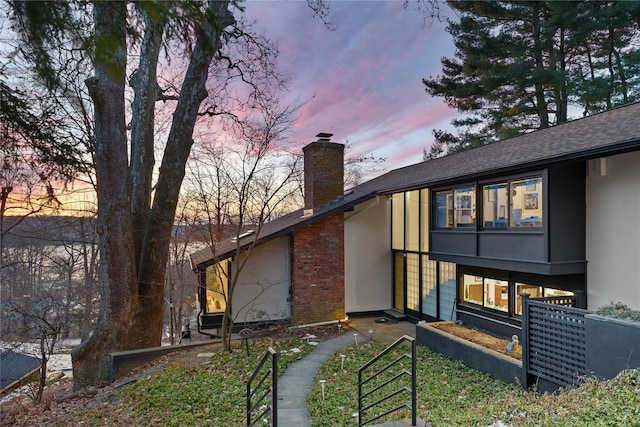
{"x": 16, "y": 366}
{"x": 607, "y": 133}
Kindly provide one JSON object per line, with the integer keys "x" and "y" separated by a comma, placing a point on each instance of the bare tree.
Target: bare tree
{"x": 209, "y": 48}
{"x": 242, "y": 188}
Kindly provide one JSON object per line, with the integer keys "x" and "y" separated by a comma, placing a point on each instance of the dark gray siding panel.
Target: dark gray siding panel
{"x": 567, "y": 208}
{"x": 512, "y": 246}
{"x": 454, "y": 242}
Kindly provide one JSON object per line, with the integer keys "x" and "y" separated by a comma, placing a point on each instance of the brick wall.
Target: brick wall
{"x": 323, "y": 173}
{"x": 318, "y": 272}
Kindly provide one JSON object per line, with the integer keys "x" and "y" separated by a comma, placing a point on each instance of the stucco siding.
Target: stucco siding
{"x": 263, "y": 286}
{"x": 613, "y": 231}
{"x": 368, "y": 285}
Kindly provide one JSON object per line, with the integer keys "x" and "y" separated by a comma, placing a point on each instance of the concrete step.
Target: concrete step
{"x": 395, "y": 314}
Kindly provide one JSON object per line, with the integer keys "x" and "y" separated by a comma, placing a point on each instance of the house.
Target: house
{"x": 555, "y": 212}
{"x": 16, "y": 369}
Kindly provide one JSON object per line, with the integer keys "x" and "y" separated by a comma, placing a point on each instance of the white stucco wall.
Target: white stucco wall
{"x": 368, "y": 264}
{"x": 613, "y": 232}
{"x": 263, "y": 285}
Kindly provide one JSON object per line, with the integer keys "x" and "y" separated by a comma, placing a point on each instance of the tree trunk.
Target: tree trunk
{"x": 541, "y": 106}
{"x": 144, "y": 83}
{"x": 155, "y": 247}
{"x": 117, "y": 278}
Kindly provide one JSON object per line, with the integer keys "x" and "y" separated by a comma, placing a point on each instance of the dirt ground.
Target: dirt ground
{"x": 479, "y": 337}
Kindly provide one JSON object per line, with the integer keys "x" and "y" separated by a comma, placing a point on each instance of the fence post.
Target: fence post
{"x": 274, "y": 389}
{"x": 414, "y": 416}
{"x": 524, "y": 340}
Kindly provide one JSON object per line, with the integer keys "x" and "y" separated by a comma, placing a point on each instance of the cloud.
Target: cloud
{"x": 363, "y": 80}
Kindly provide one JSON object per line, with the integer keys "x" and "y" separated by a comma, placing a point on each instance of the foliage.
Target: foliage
{"x": 520, "y": 66}
{"x": 213, "y": 394}
{"x": 146, "y": 81}
{"x": 618, "y": 310}
{"x": 450, "y": 394}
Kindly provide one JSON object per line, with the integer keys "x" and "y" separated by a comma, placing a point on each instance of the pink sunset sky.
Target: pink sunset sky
{"x": 363, "y": 79}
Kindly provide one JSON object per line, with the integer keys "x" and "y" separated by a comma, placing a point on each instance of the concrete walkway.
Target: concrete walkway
{"x": 296, "y": 382}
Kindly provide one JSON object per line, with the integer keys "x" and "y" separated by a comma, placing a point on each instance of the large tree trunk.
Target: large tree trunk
{"x": 145, "y": 87}
{"x": 117, "y": 276}
{"x": 155, "y": 247}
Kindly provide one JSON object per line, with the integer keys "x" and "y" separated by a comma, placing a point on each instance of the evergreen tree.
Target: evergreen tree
{"x": 520, "y": 66}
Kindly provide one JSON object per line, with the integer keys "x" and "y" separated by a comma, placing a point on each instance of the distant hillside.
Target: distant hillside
{"x": 45, "y": 230}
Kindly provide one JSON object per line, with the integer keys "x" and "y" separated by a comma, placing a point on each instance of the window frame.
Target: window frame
{"x": 453, "y": 205}
{"x": 506, "y": 222}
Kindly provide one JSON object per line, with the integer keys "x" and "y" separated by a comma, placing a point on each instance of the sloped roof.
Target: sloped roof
{"x": 15, "y": 366}
{"x": 607, "y": 133}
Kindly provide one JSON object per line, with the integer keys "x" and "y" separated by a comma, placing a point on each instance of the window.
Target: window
{"x": 494, "y": 293}
{"x": 412, "y": 220}
{"x": 444, "y": 209}
{"x": 424, "y": 220}
{"x": 515, "y": 203}
{"x": 536, "y": 292}
{"x": 217, "y": 279}
{"x": 487, "y": 292}
{"x": 397, "y": 215}
{"x": 526, "y": 203}
{"x": 495, "y": 199}
{"x": 456, "y": 208}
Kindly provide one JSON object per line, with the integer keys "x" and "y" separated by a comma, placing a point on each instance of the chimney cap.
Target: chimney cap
{"x": 324, "y": 137}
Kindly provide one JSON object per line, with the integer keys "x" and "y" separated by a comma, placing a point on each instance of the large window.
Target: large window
{"x": 217, "y": 278}
{"x": 514, "y": 203}
{"x": 536, "y": 292}
{"x": 487, "y": 292}
{"x": 502, "y": 295}
{"x": 456, "y": 208}
{"x": 397, "y": 217}
{"x": 412, "y": 220}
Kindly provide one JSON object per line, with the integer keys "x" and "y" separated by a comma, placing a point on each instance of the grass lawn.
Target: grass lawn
{"x": 449, "y": 394}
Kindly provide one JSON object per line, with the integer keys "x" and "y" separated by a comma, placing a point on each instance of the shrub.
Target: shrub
{"x": 618, "y": 310}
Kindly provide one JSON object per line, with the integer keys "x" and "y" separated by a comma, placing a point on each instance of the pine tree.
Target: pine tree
{"x": 520, "y": 66}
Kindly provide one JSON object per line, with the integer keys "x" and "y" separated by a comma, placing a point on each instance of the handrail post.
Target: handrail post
{"x": 414, "y": 419}
{"x": 359, "y": 397}
{"x": 388, "y": 350}
{"x": 524, "y": 340}
{"x": 274, "y": 389}
{"x": 248, "y": 399}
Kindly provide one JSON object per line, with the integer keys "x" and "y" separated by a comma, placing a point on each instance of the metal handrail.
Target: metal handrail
{"x": 403, "y": 373}
{"x": 272, "y": 391}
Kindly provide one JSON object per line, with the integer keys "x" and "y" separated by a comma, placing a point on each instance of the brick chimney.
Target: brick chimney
{"x": 317, "y": 260}
{"x": 323, "y": 171}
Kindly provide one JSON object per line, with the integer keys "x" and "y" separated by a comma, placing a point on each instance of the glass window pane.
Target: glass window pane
{"x": 495, "y": 199}
{"x": 496, "y": 294}
{"x": 526, "y": 203}
{"x": 412, "y": 223}
{"x": 465, "y": 207}
{"x": 398, "y": 282}
{"x": 413, "y": 282}
{"x": 397, "y": 216}
{"x": 472, "y": 289}
{"x": 424, "y": 220}
{"x": 429, "y": 288}
{"x": 444, "y": 209}
{"x": 447, "y": 290}
{"x": 217, "y": 280}
{"x": 532, "y": 290}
